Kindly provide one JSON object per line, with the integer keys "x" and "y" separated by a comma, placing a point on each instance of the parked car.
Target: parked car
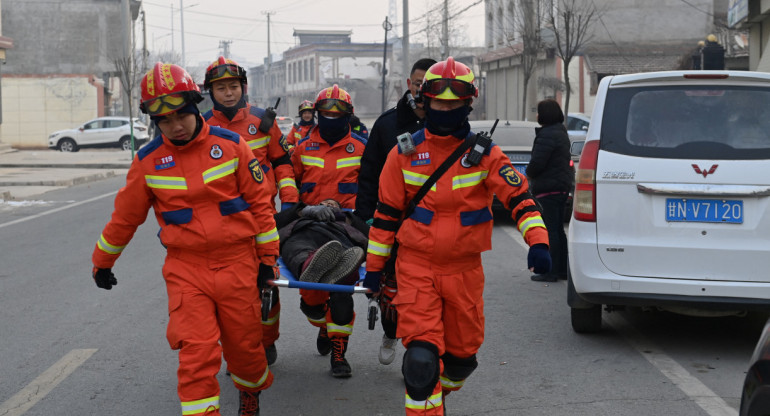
{"x": 755, "y": 399}
{"x": 672, "y": 201}
{"x": 99, "y": 132}
{"x": 577, "y": 126}
{"x": 515, "y": 139}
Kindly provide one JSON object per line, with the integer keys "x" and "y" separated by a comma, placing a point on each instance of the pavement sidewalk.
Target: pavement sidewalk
{"x": 25, "y": 174}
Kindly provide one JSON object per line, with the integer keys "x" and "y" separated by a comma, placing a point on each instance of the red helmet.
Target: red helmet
{"x": 449, "y": 80}
{"x": 305, "y": 106}
{"x": 167, "y": 88}
{"x": 223, "y": 68}
{"x": 335, "y": 100}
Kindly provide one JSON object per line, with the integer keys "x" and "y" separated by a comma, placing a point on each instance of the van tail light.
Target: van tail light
{"x": 585, "y": 183}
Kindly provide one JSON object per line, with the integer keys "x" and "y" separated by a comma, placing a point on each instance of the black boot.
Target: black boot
{"x": 340, "y": 366}
{"x": 249, "y": 403}
{"x": 323, "y": 343}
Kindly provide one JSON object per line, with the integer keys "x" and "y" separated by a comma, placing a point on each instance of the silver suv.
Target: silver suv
{"x": 671, "y": 205}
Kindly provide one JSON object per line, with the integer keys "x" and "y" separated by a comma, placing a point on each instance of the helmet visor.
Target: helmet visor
{"x": 435, "y": 88}
{"x": 226, "y": 71}
{"x": 164, "y": 104}
{"x": 334, "y": 105}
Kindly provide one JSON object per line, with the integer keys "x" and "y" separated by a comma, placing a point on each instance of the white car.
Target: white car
{"x": 577, "y": 126}
{"x": 672, "y": 200}
{"x": 99, "y": 132}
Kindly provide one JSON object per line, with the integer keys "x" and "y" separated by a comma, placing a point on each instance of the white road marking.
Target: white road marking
{"x": 55, "y": 210}
{"x": 691, "y": 386}
{"x": 44, "y": 383}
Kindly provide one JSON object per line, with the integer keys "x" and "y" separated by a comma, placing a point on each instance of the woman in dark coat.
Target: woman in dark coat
{"x": 551, "y": 178}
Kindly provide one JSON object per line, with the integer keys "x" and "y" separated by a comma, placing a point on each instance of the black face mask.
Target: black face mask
{"x": 444, "y": 123}
{"x": 333, "y": 129}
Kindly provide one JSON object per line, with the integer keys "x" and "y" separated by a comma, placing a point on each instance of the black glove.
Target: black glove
{"x": 319, "y": 212}
{"x": 539, "y": 259}
{"x": 264, "y": 274}
{"x": 267, "y": 120}
{"x": 104, "y": 278}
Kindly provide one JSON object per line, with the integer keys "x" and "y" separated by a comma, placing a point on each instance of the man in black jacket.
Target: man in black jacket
{"x": 407, "y": 116}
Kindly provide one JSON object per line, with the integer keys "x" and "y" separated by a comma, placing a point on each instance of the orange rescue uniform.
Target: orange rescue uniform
{"x": 211, "y": 200}
{"x": 440, "y": 275}
{"x": 297, "y": 133}
{"x": 328, "y": 172}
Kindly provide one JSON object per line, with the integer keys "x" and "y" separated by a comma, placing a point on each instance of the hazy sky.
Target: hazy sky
{"x": 244, "y": 22}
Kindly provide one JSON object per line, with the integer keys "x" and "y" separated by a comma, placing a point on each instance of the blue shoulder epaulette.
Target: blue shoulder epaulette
{"x": 224, "y": 133}
{"x": 150, "y": 147}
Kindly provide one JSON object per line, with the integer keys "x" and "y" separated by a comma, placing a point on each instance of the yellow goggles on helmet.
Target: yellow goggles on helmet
{"x": 164, "y": 104}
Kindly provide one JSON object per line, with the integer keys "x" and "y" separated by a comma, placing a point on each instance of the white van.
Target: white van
{"x": 671, "y": 205}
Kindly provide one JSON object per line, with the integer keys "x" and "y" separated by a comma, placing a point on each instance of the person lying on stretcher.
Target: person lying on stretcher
{"x": 322, "y": 243}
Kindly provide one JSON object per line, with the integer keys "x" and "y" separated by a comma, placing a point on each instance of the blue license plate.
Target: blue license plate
{"x": 521, "y": 168}
{"x": 704, "y": 210}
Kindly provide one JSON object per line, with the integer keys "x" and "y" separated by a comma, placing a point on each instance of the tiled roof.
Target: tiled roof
{"x": 611, "y": 59}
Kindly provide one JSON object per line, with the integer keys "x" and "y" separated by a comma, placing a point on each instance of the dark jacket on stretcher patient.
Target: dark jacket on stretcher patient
{"x": 300, "y": 236}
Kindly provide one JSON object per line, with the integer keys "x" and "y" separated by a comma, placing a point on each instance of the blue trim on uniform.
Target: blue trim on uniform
{"x": 422, "y": 215}
{"x": 265, "y": 168}
{"x": 178, "y": 217}
{"x": 232, "y": 206}
{"x": 475, "y": 217}
{"x": 303, "y": 139}
{"x": 150, "y": 147}
{"x": 357, "y": 137}
{"x": 208, "y": 114}
{"x": 347, "y": 188}
{"x": 224, "y": 133}
{"x": 306, "y": 187}
{"x": 256, "y": 111}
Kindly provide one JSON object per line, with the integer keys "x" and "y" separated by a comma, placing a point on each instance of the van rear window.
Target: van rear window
{"x": 681, "y": 122}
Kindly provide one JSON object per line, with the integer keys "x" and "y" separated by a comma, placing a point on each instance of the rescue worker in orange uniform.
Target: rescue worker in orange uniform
{"x": 226, "y": 81}
{"x": 440, "y": 275}
{"x": 212, "y": 202}
{"x": 326, "y": 165}
{"x": 306, "y": 122}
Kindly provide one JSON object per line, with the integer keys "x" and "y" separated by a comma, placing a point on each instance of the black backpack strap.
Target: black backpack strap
{"x": 467, "y": 144}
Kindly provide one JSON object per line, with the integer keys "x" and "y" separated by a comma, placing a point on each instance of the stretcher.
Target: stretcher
{"x": 287, "y": 279}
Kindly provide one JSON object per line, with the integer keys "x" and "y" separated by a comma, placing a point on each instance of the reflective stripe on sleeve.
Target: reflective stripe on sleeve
{"x": 107, "y": 247}
{"x": 198, "y": 407}
{"x": 379, "y": 249}
{"x": 224, "y": 169}
{"x": 258, "y": 142}
{"x": 271, "y": 321}
{"x": 165, "y": 182}
{"x": 417, "y": 179}
{"x": 529, "y": 223}
{"x": 431, "y": 402}
{"x": 344, "y": 330}
{"x": 312, "y": 161}
{"x": 267, "y": 237}
{"x": 286, "y": 182}
{"x": 348, "y": 162}
{"x": 471, "y": 179}
{"x": 250, "y": 384}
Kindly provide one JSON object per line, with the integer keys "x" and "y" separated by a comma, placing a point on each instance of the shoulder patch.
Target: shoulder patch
{"x": 153, "y": 145}
{"x": 511, "y": 177}
{"x": 208, "y": 114}
{"x": 256, "y": 171}
{"x": 224, "y": 133}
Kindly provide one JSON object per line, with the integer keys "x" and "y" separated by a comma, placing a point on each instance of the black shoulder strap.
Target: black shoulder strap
{"x": 467, "y": 144}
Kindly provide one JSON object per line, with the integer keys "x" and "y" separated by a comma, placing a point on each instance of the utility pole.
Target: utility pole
{"x": 144, "y": 41}
{"x": 181, "y": 18}
{"x": 125, "y": 14}
{"x": 268, "y": 74}
{"x": 172, "y": 28}
{"x": 387, "y": 26}
{"x": 445, "y": 32}
{"x": 225, "y": 45}
{"x": 405, "y": 40}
